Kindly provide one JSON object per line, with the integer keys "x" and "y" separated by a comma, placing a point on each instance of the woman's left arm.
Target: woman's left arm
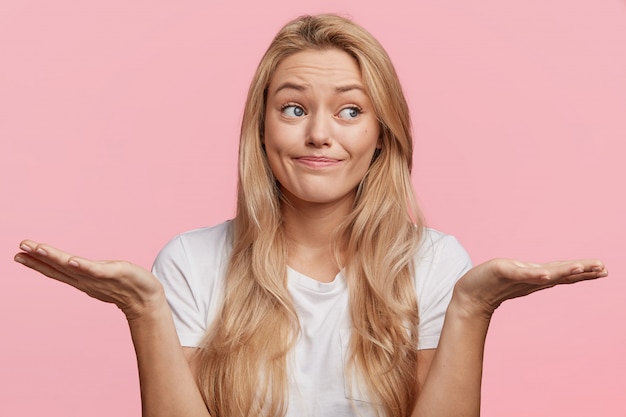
{"x": 452, "y": 384}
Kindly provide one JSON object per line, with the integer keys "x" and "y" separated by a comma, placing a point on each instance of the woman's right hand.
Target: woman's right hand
{"x": 130, "y": 287}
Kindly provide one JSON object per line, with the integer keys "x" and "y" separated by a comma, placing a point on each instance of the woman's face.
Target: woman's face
{"x": 321, "y": 130}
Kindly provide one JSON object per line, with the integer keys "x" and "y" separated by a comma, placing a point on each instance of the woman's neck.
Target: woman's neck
{"x": 309, "y": 229}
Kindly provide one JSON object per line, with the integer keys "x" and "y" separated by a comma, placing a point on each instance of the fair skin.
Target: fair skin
{"x": 337, "y": 144}
{"x": 320, "y": 136}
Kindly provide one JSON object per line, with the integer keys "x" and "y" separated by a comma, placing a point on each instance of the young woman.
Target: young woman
{"x": 326, "y": 294}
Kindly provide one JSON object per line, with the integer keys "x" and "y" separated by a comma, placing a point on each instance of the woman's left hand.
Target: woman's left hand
{"x": 483, "y": 288}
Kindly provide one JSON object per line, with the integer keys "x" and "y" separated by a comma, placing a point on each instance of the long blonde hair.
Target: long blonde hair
{"x": 243, "y": 363}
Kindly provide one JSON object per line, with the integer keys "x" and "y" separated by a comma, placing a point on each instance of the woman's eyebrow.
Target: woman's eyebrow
{"x": 350, "y": 87}
{"x": 290, "y": 86}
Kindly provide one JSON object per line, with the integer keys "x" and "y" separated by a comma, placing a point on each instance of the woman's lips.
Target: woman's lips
{"x": 318, "y": 162}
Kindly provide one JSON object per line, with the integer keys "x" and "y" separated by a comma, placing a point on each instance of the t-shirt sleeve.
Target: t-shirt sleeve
{"x": 441, "y": 263}
{"x": 172, "y": 269}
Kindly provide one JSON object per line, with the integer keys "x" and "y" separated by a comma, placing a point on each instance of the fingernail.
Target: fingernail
{"x": 597, "y": 269}
{"x": 20, "y": 259}
{"x": 26, "y": 248}
{"x": 577, "y": 271}
{"x": 73, "y": 263}
{"x": 42, "y": 252}
{"x": 602, "y": 274}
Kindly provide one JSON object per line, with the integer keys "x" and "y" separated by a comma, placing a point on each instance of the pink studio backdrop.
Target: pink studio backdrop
{"x": 119, "y": 126}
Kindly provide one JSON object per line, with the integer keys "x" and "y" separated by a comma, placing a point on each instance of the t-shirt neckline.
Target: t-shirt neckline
{"x": 307, "y": 282}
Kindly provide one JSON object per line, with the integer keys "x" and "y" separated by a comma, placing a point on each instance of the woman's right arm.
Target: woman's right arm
{"x": 168, "y": 387}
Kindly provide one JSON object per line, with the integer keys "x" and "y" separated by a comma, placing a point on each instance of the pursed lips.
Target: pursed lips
{"x": 318, "y": 161}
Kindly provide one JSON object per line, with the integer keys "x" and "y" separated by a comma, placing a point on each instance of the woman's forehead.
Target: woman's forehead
{"x": 312, "y": 66}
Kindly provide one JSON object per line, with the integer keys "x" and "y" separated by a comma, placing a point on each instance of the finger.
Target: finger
{"x": 35, "y": 264}
{"x": 595, "y": 265}
{"x": 79, "y": 282}
{"x": 582, "y": 276}
{"x": 522, "y": 271}
{"x": 76, "y": 266}
{"x": 71, "y": 269}
{"x": 62, "y": 261}
{"x": 45, "y": 253}
{"x": 583, "y": 269}
{"x": 104, "y": 269}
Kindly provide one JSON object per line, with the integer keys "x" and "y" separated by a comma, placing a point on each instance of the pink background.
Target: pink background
{"x": 119, "y": 126}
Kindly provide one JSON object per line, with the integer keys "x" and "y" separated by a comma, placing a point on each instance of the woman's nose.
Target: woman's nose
{"x": 318, "y": 130}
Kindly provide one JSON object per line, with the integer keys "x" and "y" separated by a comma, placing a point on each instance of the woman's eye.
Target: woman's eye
{"x": 350, "y": 113}
{"x": 293, "y": 111}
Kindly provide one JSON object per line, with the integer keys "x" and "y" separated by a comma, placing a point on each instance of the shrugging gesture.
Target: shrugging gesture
{"x": 168, "y": 386}
{"x": 314, "y": 284}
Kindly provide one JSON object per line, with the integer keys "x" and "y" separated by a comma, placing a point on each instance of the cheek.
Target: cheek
{"x": 275, "y": 135}
{"x": 273, "y": 159}
{"x": 274, "y": 152}
{"x": 367, "y": 141}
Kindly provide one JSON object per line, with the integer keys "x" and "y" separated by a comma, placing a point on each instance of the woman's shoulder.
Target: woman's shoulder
{"x": 438, "y": 249}
{"x": 208, "y": 235}
{"x": 433, "y": 239}
{"x": 199, "y": 244}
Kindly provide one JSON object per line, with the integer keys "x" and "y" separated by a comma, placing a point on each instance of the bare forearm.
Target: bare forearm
{"x": 452, "y": 387}
{"x": 168, "y": 388}
{"x": 453, "y": 384}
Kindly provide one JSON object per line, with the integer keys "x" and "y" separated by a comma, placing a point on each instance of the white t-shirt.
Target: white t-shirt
{"x": 192, "y": 268}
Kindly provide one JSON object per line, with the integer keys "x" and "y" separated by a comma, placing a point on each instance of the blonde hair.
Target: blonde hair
{"x": 243, "y": 363}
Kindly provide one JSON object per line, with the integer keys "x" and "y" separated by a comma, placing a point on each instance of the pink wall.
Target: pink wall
{"x": 119, "y": 127}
